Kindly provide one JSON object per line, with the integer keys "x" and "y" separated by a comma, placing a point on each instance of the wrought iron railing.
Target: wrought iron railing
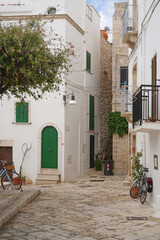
{"x": 146, "y": 102}
{"x": 126, "y": 98}
{"x": 129, "y": 19}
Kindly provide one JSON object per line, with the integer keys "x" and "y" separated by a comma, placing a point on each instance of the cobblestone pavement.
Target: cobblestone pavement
{"x": 93, "y": 207}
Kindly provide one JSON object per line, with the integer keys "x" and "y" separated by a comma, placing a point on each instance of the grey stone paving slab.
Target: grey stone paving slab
{"x": 84, "y": 210}
{"x": 12, "y": 201}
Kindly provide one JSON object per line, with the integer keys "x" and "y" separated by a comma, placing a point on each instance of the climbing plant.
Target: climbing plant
{"x": 136, "y": 165}
{"x": 117, "y": 124}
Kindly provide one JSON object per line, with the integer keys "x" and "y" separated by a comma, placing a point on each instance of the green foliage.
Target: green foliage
{"x": 117, "y": 124}
{"x": 29, "y": 63}
{"x": 98, "y": 164}
{"x": 136, "y": 165}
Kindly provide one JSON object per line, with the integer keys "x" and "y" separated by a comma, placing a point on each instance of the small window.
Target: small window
{"x": 52, "y": 11}
{"x": 88, "y": 62}
{"x": 123, "y": 76}
{"x": 89, "y": 12}
{"x": 22, "y": 112}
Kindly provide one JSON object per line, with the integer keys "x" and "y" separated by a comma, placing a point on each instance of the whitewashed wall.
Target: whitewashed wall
{"x": 71, "y": 122}
{"x": 146, "y": 48}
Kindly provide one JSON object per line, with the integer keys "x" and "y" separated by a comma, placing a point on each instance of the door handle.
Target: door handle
{"x": 49, "y": 149}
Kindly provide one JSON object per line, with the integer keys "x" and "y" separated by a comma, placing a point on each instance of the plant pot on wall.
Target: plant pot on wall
{"x": 152, "y": 119}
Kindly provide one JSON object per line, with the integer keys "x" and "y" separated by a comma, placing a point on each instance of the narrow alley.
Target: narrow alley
{"x": 92, "y": 207}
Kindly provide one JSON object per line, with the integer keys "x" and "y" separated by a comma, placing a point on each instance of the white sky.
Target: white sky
{"x": 106, "y": 9}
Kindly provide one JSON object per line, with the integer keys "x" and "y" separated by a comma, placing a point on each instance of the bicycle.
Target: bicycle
{"x": 141, "y": 186}
{"x": 9, "y": 177}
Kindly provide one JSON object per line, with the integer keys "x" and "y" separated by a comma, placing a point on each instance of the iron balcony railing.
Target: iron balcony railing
{"x": 129, "y": 19}
{"x": 146, "y": 102}
{"x": 126, "y": 98}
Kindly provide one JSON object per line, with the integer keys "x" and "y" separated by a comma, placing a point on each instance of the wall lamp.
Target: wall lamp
{"x": 72, "y": 101}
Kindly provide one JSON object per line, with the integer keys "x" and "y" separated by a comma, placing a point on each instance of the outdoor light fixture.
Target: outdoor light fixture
{"x": 72, "y": 101}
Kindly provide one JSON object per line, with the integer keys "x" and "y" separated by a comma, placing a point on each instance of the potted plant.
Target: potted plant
{"x": 98, "y": 163}
{"x": 16, "y": 180}
{"x": 23, "y": 180}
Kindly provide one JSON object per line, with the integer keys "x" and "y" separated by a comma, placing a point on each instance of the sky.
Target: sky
{"x": 106, "y": 9}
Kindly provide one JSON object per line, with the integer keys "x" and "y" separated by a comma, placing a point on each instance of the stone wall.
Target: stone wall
{"x": 119, "y": 55}
{"x": 120, "y": 154}
{"x": 105, "y": 142}
{"x": 120, "y": 145}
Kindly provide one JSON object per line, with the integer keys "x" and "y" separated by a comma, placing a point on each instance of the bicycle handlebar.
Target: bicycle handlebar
{"x": 144, "y": 169}
{"x": 3, "y": 161}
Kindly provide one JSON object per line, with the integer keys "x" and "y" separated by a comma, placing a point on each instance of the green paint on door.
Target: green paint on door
{"x": 49, "y": 148}
{"x": 91, "y": 151}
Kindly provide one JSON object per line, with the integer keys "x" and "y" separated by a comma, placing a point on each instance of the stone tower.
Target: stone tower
{"x": 119, "y": 60}
{"x": 105, "y": 141}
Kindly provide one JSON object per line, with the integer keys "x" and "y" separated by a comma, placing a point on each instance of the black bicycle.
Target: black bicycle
{"x": 141, "y": 186}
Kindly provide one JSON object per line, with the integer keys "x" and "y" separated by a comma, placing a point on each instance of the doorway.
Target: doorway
{"x": 49, "y": 149}
{"x": 91, "y": 151}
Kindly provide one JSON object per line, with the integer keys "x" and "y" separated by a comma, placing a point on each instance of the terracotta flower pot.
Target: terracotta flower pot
{"x": 23, "y": 181}
{"x": 16, "y": 181}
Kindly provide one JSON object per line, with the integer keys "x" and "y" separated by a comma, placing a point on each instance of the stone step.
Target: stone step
{"x": 50, "y": 171}
{"x": 48, "y": 176}
{"x": 7, "y": 197}
{"x": 16, "y": 202}
{"x": 41, "y": 181}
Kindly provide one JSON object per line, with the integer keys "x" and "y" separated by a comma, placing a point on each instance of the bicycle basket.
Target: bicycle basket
{"x": 10, "y": 167}
{"x": 149, "y": 181}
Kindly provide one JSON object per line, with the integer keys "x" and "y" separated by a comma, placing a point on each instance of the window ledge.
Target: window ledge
{"x": 21, "y": 123}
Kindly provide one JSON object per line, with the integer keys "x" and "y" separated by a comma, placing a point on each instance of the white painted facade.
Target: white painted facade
{"x": 71, "y": 121}
{"x": 146, "y": 47}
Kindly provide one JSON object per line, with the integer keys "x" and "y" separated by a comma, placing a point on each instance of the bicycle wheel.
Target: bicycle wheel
{"x": 143, "y": 196}
{"x": 15, "y": 183}
{"x": 143, "y": 193}
{"x": 134, "y": 190}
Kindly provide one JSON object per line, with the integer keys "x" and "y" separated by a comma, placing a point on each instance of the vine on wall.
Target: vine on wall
{"x": 117, "y": 124}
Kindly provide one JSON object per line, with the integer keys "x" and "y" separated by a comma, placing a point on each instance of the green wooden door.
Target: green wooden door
{"x": 91, "y": 151}
{"x": 91, "y": 113}
{"x": 49, "y": 148}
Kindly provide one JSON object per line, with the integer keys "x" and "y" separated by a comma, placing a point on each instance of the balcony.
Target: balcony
{"x": 129, "y": 25}
{"x": 146, "y": 111}
{"x": 126, "y": 102}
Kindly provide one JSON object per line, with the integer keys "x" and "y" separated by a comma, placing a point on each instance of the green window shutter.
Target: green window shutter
{"x": 22, "y": 112}
{"x": 88, "y": 61}
{"x": 91, "y": 113}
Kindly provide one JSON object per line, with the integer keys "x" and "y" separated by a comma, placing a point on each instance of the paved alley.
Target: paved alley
{"x": 93, "y": 207}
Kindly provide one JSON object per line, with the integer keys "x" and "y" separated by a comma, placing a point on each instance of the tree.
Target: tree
{"x": 30, "y": 64}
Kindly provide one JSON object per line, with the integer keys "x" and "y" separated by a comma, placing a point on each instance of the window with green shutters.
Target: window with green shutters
{"x": 91, "y": 113}
{"x": 21, "y": 112}
{"x": 88, "y": 61}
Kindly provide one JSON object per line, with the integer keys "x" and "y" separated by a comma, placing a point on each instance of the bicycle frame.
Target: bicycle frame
{"x": 142, "y": 186}
{"x": 139, "y": 186}
{"x": 4, "y": 170}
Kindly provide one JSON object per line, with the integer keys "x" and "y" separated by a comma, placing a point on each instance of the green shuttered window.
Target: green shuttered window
{"x": 88, "y": 61}
{"x": 91, "y": 114}
{"x": 22, "y": 112}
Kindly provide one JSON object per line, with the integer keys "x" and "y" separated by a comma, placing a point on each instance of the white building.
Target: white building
{"x": 143, "y": 38}
{"x": 64, "y": 137}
